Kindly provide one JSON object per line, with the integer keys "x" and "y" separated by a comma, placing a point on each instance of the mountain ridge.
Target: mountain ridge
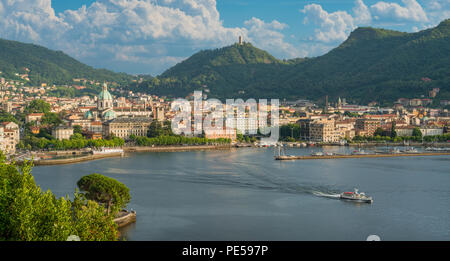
{"x": 49, "y": 66}
{"x": 372, "y": 64}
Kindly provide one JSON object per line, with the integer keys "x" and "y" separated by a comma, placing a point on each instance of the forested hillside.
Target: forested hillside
{"x": 371, "y": 65}
{"x": 48, "y": 66}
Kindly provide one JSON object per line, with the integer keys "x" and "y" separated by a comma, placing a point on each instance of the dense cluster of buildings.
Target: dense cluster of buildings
{"x": 346, "y": 122}
{"x": 98, "y": 117}
{"x": 103, "y": 115}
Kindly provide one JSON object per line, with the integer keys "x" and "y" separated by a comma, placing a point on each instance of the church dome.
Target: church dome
{"x": 88, "y": 115}
{"x": 109, "y": 115}
{"x": 104, "y": 94}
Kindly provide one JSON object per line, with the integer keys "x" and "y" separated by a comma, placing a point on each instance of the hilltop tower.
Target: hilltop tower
{"x": 240, "y": 40}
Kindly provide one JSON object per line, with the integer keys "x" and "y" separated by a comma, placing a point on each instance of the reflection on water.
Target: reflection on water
{"x": 245, "y": 194}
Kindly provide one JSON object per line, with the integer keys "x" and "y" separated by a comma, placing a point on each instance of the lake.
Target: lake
{"x": 244, "y": 194}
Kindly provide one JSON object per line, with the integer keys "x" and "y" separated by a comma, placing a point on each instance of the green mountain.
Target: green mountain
{"x": 371, "y": 65}
{"x": 53, "y": 67}
{"x": 222, "y": 71}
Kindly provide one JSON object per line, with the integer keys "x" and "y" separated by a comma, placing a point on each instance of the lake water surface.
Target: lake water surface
{"x": 244, "y": 194}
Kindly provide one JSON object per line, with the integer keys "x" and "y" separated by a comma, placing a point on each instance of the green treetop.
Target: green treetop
{"x": 416, "y": 132}
{"x": 38, "y": 106}
{"x": 105, "y": 190}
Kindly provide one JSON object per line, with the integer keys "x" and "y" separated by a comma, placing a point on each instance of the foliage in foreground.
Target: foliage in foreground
{"x": 29, "y": 214}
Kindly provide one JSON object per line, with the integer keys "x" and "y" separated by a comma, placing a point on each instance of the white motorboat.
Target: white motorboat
{"x": 356, "y": 196}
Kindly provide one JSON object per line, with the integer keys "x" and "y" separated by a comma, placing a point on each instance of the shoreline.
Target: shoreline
{"x": 143, "y": 149}
{"x": 286, "y": 158}
{"x": 48, "y": 162}
{"x": 127, "y": 150}
{"x": 175, "y": 148}
{"x": 370, "y": 144}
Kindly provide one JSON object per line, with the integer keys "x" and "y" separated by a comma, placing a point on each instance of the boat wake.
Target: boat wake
{"x": 326, "y": 195}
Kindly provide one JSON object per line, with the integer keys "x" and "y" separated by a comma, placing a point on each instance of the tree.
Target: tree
{"x": 77, "y": 129}
{"x": 5, "y": 116}
{"x": 379, "y": 132}
{"x": 393, "y": 132}
{"x": 51, "y": 118}
{"x": 29, "y": 214}
{"x": 155, "y": 129}
{"x": 417, "y": 133}
{"x": 105, "y": 190}
{"x": 38, "y": 106}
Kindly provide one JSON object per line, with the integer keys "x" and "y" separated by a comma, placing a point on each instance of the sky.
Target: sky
{"x": 150, "y": 36}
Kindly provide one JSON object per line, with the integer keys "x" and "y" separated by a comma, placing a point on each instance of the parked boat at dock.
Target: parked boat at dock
{"x": 103, "y": 151}
{"x": 411, "y": 150}
{"x": 360, "y": 152}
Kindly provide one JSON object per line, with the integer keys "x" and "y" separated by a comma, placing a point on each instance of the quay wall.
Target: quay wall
{"x": 175, "y": 148}
{"x": 75, "y": 159}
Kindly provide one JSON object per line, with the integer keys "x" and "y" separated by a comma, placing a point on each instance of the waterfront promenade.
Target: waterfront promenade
{"x": 78, "y": 159}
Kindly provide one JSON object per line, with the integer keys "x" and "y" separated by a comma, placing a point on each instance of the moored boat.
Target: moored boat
{"x": 360, "y": 152}
{"x": 107, "y": 151}
{"x": 411, "y": 150}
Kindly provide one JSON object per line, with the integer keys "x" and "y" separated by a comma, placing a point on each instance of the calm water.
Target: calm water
{"x": 246, "y": 195}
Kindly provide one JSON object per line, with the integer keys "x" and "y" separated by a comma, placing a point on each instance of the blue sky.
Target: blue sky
{"x": 149, "y": 36}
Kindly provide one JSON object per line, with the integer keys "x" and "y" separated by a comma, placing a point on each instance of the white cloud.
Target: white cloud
{"x": 437, "y": 11}
{"x": 269, "y": 38}
{"x": 362, "y": 13}
{"x": 134, "y": 35}
{"x": 333, "y": 26}
{"x": 336, "y": 26}
{"x": 411, "y": 11}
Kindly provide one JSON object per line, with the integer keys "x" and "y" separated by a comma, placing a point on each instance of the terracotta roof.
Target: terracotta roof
{"x": 36, "y": 114}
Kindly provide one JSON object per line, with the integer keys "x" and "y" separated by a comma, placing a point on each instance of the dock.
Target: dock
{"x": 291, "y": 157}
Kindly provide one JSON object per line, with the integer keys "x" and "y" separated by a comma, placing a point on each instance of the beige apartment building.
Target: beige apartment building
{"x": 33, "y": 117}
{"x": 346, "y": 128}
{"x": 324, "y": 130}
{"x": 125, "y": 127}
{"x": 9, "y": 137}
{"x": 225, "y": 133}
{"x": 367, "y": 127}
{"x": 7, "y": 143}
{"x": 62, "y": 132}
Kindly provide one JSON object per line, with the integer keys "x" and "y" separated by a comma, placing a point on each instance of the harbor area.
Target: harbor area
{"x": 330, "y": 152}
{"x": 353, "y": 156}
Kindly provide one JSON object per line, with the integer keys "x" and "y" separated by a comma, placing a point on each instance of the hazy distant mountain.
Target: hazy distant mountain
{"x": 49, "y": 66}
{"x": 371, "y": 65}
